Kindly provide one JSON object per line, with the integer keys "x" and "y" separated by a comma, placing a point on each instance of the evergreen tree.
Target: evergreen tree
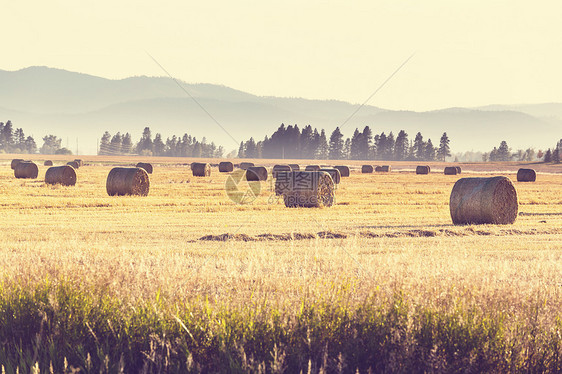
{"x": 251, "y": 149}
{"x": 335, "y": 150}
{"x": 127, "y": 144}
{"x": 366, "y": 143}
{"x": 503, "y": 152}
{"x": 323, "y": 147}
{"x": 548, "y": 156}
{"x": 7, "y": 136}
{"x": 241, "y": 153}
{"x": 444, "y": 150}
{"x": 115, "y": 144}
{"x": 158, "y": 146}
{"x": 144, "y": 146}
{"x": 389, "y": 149}
{"x": 51, "y": 144}
{"x": 419, "y": 147}
{"x": 19, "y": 139}
{"x": 356, "y": 145}
{"x": 429, "y": 151}
{"x": 30, "y": 145}
{"x": 401, "y": 146}
{"x": 104, "y": 144}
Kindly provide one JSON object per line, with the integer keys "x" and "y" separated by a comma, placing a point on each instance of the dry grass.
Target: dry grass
{"x": 387, "y": 233}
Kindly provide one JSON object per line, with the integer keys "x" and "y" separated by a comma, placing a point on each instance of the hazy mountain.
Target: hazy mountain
{"x": 79, "y": 108}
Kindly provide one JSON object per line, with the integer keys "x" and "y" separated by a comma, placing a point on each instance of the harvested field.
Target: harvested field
{"x": 186, "y": 253}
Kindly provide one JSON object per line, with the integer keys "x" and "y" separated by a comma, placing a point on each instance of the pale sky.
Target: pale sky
{"x": 467, "y": 53}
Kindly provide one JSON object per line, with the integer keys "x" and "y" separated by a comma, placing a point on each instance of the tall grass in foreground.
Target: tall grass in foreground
{"x": 55, "y": 327}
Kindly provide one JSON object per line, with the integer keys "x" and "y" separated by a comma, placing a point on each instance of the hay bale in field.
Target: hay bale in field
{"x": 309, "y": 189}
{"x": 526, "y": 175}
{"x": 201, "y": 169}
{"x": 282, "y": 183}
{"x": 344, "y": 170}
{"x": 450, "y": 170}
{"x": 26, "y": 170}
{"x": 65, "y": 175}
{"x": 127, "y": 181}
{"x": 48, "y": 163}
{"x": 483, "y": 201}
{"x": 279, "y": 168}
{"x": 312, "y": 168}
{"x": 423, "y": 169}
{"x": 146, "y": 166}
{"x": 366, "y": 169}
{"x": 334, "y": 173}
{"x": 74, "y": 164}
{"x": 256, "y": 173}
{"x": 226, "y": 167}
{"x": 295, "y": 167}
{"x": 383, "y": 169}
{"x": 458, "y": 169}
{"x": 15, "y": 161}
{"x": 246, "y": 165}
{"x": 79, "y": 161}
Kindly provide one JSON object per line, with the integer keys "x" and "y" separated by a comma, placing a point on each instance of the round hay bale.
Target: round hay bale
{"x": 65, "y": 175}
{"x": 15, "y": 161}
{"x": 383, "y": 169}
{"x": 79, "y": 161}
{"x": 201, "y": 169}
{"x": 334, "y": 173}
{"x": 295, "y": 167}
{"x": 279, "y": 168}
{"x": 483, "y": 201}
{"x": 312, "y": 168}
{"x": 366, "y": 169}
{"x": 127, "y": 181}
{"x": 246, "y": 165}
{"x": 526, "y": 175}
{"x": 26, "y": 170}
{"x": 344, "y": 170}
{"x": 256, "y": 173}
{"x": 423, "y": 169}
{"x": 48, "y": 163}
{"x": 450, "y": 170}
{"x": 226, "y": 167}
{"x": 74, "y": 164}
{"x": 458, "y": 169}
{"x": 309, "y": 189}
{"x": 146, "y": 166}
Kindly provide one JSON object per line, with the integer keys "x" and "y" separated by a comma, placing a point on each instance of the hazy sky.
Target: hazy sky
{"x": 468, "y": 53}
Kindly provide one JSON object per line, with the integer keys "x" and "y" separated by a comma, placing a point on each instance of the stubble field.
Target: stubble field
{"x": 185, "y": 279}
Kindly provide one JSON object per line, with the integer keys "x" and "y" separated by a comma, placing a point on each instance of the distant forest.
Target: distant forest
{"x": 14, "y": 141}
{"x": 184, "y": 146}
{"x": 309, "y": 143}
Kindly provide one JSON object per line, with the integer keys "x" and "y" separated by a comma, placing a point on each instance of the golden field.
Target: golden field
{"x": 388, "y": 233}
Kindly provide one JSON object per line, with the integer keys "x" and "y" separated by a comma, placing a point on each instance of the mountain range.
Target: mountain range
{"x": 79, "y": 108}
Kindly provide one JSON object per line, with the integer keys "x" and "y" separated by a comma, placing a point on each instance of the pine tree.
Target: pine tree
{"x": 115, "y": 144}
{"x": 548, "y": 156}
{"x": 323, "y": 148}
{"x": 355, "y": 146}
{"x": 335, "y": 151}
{"x": 104, "y": 144}
{"x": 346, "y": 149}
{"x": 366, "y": 143}
{"x": 503, "y": 152}
{"x": 419, "y": 147}
{"x": 444, "y": 150}
{"x": 127, "y": 144}
{"x": 429, "y": 151}
{"x": 401, "y": 146}
{"x": 158, "y": 146}
{"x": 241, "y": 153}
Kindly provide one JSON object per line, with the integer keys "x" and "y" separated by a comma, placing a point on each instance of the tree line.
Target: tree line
{"x": 504, "y": 153}
{"x": 309, "y": 143}
{"x": 14, "y": 141}
{"x": 176, "y": 146}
